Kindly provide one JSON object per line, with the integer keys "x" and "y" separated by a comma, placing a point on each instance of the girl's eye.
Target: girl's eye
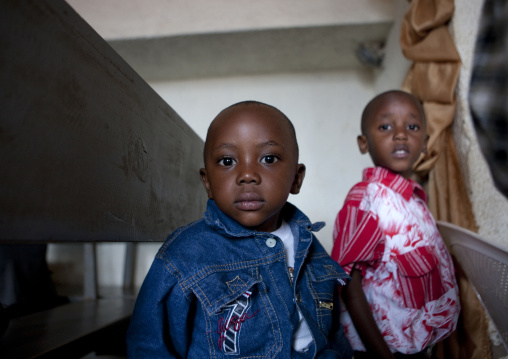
{"x": 385, "y": 127}
{"x": 226, "y": 162}
{"x": 413, "y": 127}
{"x": 269, "y": 159}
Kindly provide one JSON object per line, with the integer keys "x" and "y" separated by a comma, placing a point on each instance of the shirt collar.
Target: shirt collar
{"x": 406, "y": 187}
{"x": 216, "y": 219}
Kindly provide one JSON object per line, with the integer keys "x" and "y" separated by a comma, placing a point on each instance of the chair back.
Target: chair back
{"x": 486, "y": 266}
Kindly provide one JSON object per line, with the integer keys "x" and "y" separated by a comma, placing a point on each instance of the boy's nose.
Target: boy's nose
{"x": 248, "y": 174}
{"x": 400, "y": 134}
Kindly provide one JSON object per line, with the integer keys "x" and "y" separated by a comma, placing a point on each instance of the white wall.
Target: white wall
{"x": 123, "y": 19}
{"x": 395, "y": 65}
{"x": 325, "y": 109}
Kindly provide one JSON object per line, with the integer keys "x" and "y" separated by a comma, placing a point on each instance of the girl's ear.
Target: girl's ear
{"x": 298, "y": 180}
{"x": 363, "y": 144}
{"x": 204, "y": 180}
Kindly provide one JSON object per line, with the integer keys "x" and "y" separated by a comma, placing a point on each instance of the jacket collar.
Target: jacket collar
{"x": 405, "y": 187}
{"x": 219, "y": 221}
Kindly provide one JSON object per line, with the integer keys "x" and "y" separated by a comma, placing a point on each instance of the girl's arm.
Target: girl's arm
{"x": 361, "y": 315}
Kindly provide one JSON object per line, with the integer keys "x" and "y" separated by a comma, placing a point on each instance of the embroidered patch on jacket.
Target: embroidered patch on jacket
{"x": 229, "y": 328}
{"x": 331, "y": 270}
{"x": 235, "y": 284}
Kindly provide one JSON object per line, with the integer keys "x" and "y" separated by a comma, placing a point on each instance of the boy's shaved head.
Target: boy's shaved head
{"x": 251, "y": 164}
{"x": 394, "y": 131}
{"x": 251, "y": 106}
{"x": 377, "y": 101}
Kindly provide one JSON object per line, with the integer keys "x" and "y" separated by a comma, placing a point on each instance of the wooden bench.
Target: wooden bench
{"x": 90, "y": 153}
{"x": 69, "y": 331}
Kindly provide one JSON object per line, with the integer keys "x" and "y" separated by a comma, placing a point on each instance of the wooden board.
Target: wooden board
{"x": 89, "y": 151}
{"x": 69, "y": 331}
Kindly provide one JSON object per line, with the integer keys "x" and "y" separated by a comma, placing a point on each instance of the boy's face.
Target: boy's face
{"x": 395, "y": 134}
{"x": 251, "y": 165}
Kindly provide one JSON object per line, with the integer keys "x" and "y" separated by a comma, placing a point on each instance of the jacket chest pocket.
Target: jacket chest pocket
{"x": 419, "y": 277}
{"x": 240, "y": 317}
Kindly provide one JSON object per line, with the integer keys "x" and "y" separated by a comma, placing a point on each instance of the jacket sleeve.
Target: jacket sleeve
{"x": 341, "y": 346}
{"x": 358, "y": 239}
{"x": 160, "y": 316}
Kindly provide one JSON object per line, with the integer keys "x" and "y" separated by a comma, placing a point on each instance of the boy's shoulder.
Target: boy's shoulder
{"x": 377, "y": 179}
{"x": 190, "y": 248}
{"x": 187, "y": 236}
{"x": 357, "y": 192}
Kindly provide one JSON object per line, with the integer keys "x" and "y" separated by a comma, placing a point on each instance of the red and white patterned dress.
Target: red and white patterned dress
{"x": 386, "y": 230}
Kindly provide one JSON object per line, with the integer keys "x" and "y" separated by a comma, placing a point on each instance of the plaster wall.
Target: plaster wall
{"x": 489, "y": 205}
{"x": 120, "y": 19}
{"x": 325, "y": 108}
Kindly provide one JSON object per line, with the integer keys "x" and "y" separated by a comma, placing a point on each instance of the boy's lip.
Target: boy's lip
{"x": 400, "y": 151}
{"x": 249, "y": 201}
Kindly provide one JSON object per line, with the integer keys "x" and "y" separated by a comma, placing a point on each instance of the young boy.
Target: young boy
{"x": 402, "y": 297}
{"x": 249, "y": 280}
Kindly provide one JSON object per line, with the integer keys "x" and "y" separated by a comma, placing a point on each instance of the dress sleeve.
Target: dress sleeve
{"x": 358, "y": 240}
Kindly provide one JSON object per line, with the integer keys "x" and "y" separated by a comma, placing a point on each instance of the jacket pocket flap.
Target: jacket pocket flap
{"x": 217, "y": 290}
{"x": 321, "y": 271}
{"x": 417, "y": 263}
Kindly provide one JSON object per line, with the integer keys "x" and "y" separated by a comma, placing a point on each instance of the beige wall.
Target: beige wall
{"x": 489, "y": 206}
{"x": 123, "y": 19}
{"x": 325, "y": 108}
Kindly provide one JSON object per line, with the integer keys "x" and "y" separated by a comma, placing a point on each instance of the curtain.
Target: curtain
{"x": 426, "y": 40}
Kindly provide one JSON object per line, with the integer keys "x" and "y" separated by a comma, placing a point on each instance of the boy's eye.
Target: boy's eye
{"x": 269, "y": 159}
{"x": 413, "y": 127}
{"x": 227, "y": 161}
{"x": 385, "y": 127}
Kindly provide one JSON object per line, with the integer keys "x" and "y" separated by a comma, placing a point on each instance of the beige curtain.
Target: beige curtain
{"x": 425, "y": 39}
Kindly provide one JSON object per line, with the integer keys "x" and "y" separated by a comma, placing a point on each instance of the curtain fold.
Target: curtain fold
{"x": 426, "y": 40}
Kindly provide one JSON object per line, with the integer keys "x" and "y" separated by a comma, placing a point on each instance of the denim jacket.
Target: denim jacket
{"x": 219, "y": 290}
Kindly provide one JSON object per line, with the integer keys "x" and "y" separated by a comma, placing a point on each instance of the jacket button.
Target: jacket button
{"x": 271, "y": 242}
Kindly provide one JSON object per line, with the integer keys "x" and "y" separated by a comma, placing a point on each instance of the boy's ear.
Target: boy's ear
{"x": 204, "y": 180}
{"x": 298, "y": 181}
{"x": 362, "y": 144}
